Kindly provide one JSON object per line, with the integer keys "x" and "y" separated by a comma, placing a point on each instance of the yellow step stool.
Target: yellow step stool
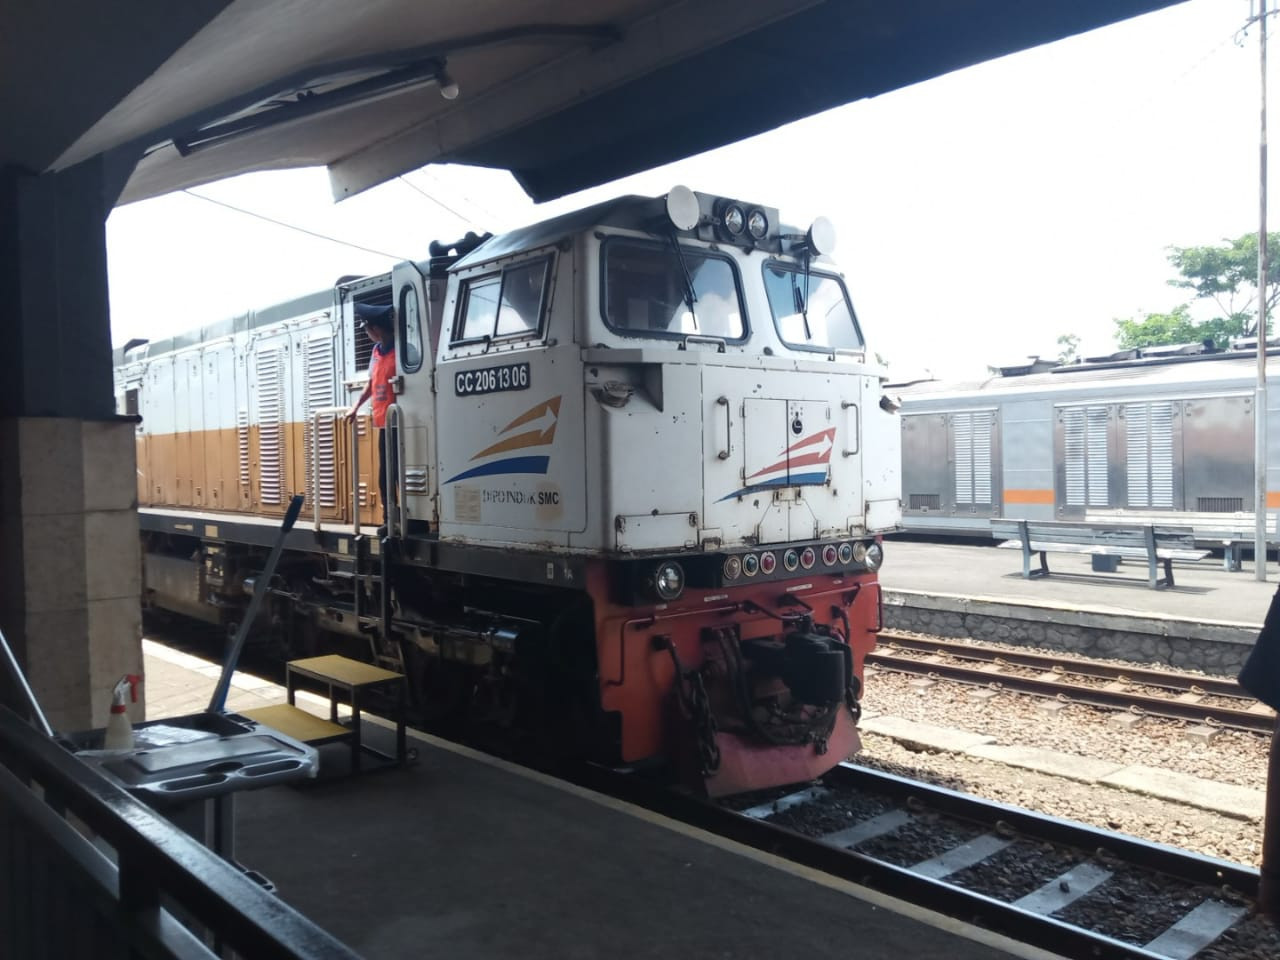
{"x": 345, "y": 679}
{"x": 297, "y": 723}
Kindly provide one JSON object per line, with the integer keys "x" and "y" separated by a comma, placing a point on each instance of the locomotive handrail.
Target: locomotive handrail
{"x": 716, "y": 342}
{"x": 315, "y": 456}
{"x": 395, "y": 509}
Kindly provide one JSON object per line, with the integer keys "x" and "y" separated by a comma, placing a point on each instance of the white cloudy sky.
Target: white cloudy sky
{"x": 979, "y": 215}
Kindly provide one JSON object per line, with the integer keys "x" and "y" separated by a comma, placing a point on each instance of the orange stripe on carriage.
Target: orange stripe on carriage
{"x": 1029, "y": 496}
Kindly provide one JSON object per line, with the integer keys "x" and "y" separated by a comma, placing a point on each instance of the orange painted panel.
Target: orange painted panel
{"x": 1273, "y": 499}
{"x": 1029, "y": 496}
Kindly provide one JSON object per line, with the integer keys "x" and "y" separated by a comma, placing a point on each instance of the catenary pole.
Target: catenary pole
{"x": 1260, "y": 393}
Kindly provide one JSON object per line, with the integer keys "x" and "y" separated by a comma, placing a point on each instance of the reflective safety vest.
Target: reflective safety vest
{"x": 380, "y": 375}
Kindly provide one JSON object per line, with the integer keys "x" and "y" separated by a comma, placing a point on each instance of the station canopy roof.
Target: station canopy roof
{"x": 565, "y": 94}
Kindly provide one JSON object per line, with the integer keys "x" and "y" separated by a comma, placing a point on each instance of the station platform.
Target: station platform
{"x": 1202, "y": 591}
{"x": 1207, "y": 621}
{"x": 461, "y": 855}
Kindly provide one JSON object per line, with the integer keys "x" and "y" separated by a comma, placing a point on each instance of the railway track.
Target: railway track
{"x": 1066, "y": 887}
{"x": 1177, "y": 696}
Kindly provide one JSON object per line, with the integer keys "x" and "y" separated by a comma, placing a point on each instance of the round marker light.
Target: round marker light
{"x": 668, "y": 580}
{"x": 750, "y": 565}
{"x": 808, "y": 557}
{"x": 859, "y": 552}
{"x": 768, "y": 563}
{"x": 846, "y": 553}
{"x": 829, "y": 554}
{"x": 821, "y": 237}
{"x": 791, "y": 560}
{"x": 732, "y": 568}
{"x": 875, "y": 556}
{"x": 757, "y": 224}
{"x": 735, "y": 220}
{"x": 682, "y": 208}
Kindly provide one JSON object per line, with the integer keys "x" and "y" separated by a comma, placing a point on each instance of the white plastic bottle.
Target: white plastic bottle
{"x": 119, "y": 735}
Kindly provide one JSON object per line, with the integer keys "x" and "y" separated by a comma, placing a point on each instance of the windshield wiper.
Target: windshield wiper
{"x": 801, "y": 300}
{"x": 690, "y": 298}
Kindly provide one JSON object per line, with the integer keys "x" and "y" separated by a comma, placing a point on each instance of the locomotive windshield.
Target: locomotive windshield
{"x": 811, "y": 311}
{"x": 646, "y": 292}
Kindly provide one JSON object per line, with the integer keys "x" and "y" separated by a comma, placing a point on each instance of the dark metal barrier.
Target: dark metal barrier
{"x": 62, "y": 897}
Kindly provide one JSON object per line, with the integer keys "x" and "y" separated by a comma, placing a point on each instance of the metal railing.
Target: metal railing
{"x": 395, "y": 489}
{"x": 396, "y": 523}
{"x": 62, "y": 896}
{"x": 314, "y": 492}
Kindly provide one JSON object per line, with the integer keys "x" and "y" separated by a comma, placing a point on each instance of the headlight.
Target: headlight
{"x": 859, "y": 552}
{"x": 732, "y": 568}
{"x": 875, "y": 556}
{"x": 791, "y": 560}
{"x": 757, "y": 224}
{"x": 768, "y": 563}
{"x": 668, "y": 581}
{"x": 735, "y": 221}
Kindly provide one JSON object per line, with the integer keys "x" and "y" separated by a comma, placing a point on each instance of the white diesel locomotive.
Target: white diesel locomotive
{"x": 643, "y": 466}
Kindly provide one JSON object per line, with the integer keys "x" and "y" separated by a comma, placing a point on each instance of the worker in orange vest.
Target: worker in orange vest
{"x": 378, "y": 324}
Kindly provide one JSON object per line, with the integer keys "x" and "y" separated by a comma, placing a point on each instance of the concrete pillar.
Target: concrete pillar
{"x": 69, "y": 554}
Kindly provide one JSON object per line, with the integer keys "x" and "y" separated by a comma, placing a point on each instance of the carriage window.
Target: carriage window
{"x": 507, "y": 305}
{"x": 410, "y": 329}
{"x": 644, "y": 292}
{"x": 811, "y": 313}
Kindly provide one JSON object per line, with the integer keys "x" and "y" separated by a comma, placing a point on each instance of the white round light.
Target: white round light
{"x": 757, "y": 224}
{"x": 735, "y": 220}
{"x": 859, "y": 552}
{"x": 732, "y": 568}
{"x": 821, "y": 237}
{"x": 668, "y": 581}
{"x": 682, "y": 208}
{"x": 875, "y": 556}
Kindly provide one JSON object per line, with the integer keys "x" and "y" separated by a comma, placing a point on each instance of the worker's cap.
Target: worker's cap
{"x": 369, "y": 315}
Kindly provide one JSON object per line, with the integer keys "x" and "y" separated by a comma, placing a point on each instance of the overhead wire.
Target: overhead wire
{"x": 439, "y": 203}
{"x": 293, "y": 226}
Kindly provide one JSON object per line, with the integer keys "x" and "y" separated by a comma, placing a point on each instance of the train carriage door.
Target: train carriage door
{"x": 416, "y": 399}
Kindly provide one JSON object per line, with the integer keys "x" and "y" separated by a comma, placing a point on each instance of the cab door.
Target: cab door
{"x": 416, "y": 400}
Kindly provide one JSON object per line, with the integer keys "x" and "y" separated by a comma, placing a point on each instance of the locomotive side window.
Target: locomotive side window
{"x": 811, "y": 312}
{"x": 506, "y": 305}
{"x": 645, "y": 292}
{"x": 410, "y": 329}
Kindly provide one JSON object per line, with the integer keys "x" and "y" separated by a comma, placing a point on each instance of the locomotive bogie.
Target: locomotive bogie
{"x": 639, "y": 475}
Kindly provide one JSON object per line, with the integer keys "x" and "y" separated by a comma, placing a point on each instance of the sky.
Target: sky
{"x": 979, "y": 215}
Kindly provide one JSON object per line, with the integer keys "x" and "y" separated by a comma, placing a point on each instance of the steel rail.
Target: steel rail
{"x": 1182, "y": 864}
{"x": 979, "y": 909}
{"x": 1182, "y": 682}
{"x": 1090, "y": 696}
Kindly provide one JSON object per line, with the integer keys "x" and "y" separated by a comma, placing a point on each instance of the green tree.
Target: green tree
{"x": 1176, "y": 326}
{"x": 1070, "y": 345}
{"x": 1227, "y": 275}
